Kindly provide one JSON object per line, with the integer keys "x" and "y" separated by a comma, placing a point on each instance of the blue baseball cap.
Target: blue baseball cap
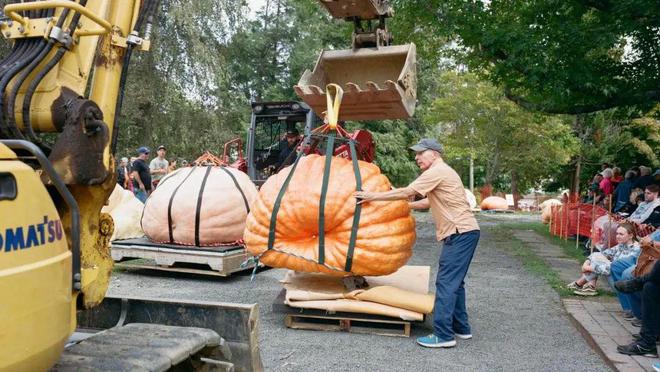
{"x": 143, "y": 150}
{"x": 427, "y": 144}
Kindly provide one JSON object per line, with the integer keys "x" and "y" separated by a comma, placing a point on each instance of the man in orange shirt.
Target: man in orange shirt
{"x": 456, "y": 227}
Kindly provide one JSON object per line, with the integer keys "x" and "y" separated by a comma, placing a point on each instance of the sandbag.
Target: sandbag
{"x": 384, "y": 236}
{"x": 403, "y": 294}
{"x": 396, "y": 297}
{"x": 494, "y": 203}
{"x": 199, "y": 206}
{"x": 126, "y": 211}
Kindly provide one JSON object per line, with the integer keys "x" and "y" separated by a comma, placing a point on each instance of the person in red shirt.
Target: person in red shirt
{"x": 606, "y": 186}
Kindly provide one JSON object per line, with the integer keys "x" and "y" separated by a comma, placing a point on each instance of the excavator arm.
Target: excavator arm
{"x": 65, "y": 75}
{"x": 379, "y": 79}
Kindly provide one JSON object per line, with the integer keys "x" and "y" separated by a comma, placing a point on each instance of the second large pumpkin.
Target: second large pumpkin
{"x": 386, "y": 231}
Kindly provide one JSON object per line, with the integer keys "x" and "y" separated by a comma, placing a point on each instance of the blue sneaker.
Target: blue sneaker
{"x": 656, "y": 367}
{"x": 463, "y": 336}
{"x": 433, "y": 341}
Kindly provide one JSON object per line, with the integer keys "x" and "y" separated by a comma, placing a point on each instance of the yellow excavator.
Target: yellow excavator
{"x": 61, "y": 90}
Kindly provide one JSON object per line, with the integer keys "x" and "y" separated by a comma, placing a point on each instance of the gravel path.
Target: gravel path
{"x": 518, "y": 320}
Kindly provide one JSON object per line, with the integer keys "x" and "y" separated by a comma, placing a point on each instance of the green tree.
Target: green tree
{"x": 555, "y": 56}
{"x": 473, "y": 118}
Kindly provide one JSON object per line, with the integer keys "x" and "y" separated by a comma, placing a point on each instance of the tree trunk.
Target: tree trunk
{"x": 576, "y": 181}
{"x": 514, "y": 189}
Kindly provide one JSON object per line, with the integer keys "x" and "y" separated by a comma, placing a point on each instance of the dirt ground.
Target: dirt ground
{"x": 518, "y": 320}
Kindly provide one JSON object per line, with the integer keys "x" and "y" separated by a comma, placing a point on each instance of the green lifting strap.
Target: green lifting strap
{"x": 358, "y": 208}
{"x": 324, "y": 190}
{"x": 278, "y": 201}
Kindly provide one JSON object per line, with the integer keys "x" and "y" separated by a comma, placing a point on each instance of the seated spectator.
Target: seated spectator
{"x": 644, "y": 179}
{"x": 594, "y": 188}
{"x": 648, "y": 286}
{"x": 599, "y": 263}
{"x": 648, "y": 211}
{"x": 606, "y": 185}
{"x": 636, "y": 197}
{"x": 623, "y": 190}
{"x": 616, "y": 177}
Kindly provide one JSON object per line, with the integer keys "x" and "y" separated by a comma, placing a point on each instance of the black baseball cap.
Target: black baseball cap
{"x": 161, "y": 147}
{"x": 427, "y": 144}
{"x": 292, "y": 132}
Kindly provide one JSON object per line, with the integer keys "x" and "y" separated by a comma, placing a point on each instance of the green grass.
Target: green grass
{"x": 530, "y": 261}
{"x": 568, "y": 246}
{"x": 506, "y": 241}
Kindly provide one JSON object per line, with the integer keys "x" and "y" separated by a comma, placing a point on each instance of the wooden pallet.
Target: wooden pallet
{"x": 321, "y": 320}
{"x": 357, "y": 324}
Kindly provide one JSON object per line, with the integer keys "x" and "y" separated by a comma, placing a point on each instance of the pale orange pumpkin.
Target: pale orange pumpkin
{"x": 494, "y": 203}
{"x": 180, "y": 202}
{"x": 385, "y": 235}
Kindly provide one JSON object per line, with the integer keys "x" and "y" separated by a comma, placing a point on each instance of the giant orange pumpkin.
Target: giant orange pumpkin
{"x": 385, "y": 235}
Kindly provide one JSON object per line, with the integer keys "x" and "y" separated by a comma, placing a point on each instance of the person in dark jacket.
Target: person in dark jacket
{"x": 622, "y": 192}
{"x": 644, "y": 179}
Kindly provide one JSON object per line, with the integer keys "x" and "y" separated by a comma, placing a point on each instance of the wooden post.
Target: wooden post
{"x": 577, "y": 235}
{"x": 593, "y": 221}
{"x": 609, "y": 217}
{"x": 561, "y": 221}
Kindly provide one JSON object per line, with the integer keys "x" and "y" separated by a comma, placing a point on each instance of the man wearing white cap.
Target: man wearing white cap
{"x": 456, "y": 227}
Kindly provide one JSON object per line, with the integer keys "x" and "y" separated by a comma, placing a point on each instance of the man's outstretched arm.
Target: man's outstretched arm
{"x": 396, "y": 194}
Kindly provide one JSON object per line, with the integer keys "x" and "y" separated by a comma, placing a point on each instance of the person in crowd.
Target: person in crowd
{"x": 636, "y": 197}
{"x": 623, "y": 190}
{"x": 159, "y": 166}
{"x": 645, "y": 178}
{"x": 648, "y": 211}
{"x": 594, "y": 188}
{"x": 605, "y": 165}
{"x": 617, "y": 178}
{"x": 141, "y": 175}
{"x": 600, "y": 263}
{"x": 172, "y": 167}
{"x": 123, "y": 171}
{"x": 656, "y": 176}
{"x": 605, "y": 184}
{"x": 606, "y": 187}
{"x": 648, "y": 287}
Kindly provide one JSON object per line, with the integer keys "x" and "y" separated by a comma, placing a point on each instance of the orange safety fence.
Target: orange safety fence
{"x": 590, "y": 221}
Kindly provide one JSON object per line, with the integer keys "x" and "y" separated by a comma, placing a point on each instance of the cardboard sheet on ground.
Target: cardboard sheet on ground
{"x": 403, "y": 294}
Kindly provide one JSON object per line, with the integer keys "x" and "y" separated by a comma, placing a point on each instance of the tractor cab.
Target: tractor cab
{"x": 276, "y": 129}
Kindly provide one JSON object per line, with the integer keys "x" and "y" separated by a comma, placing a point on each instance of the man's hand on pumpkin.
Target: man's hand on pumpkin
{"x": 365, "y": 196}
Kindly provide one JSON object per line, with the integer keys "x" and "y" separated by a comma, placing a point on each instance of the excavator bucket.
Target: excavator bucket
{"x": 379, "y": 83}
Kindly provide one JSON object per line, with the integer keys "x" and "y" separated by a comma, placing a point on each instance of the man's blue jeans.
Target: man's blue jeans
{"x": 450, "y": 314}
{"x": 617, "y": 270}
{"x": 635, "y": 298}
